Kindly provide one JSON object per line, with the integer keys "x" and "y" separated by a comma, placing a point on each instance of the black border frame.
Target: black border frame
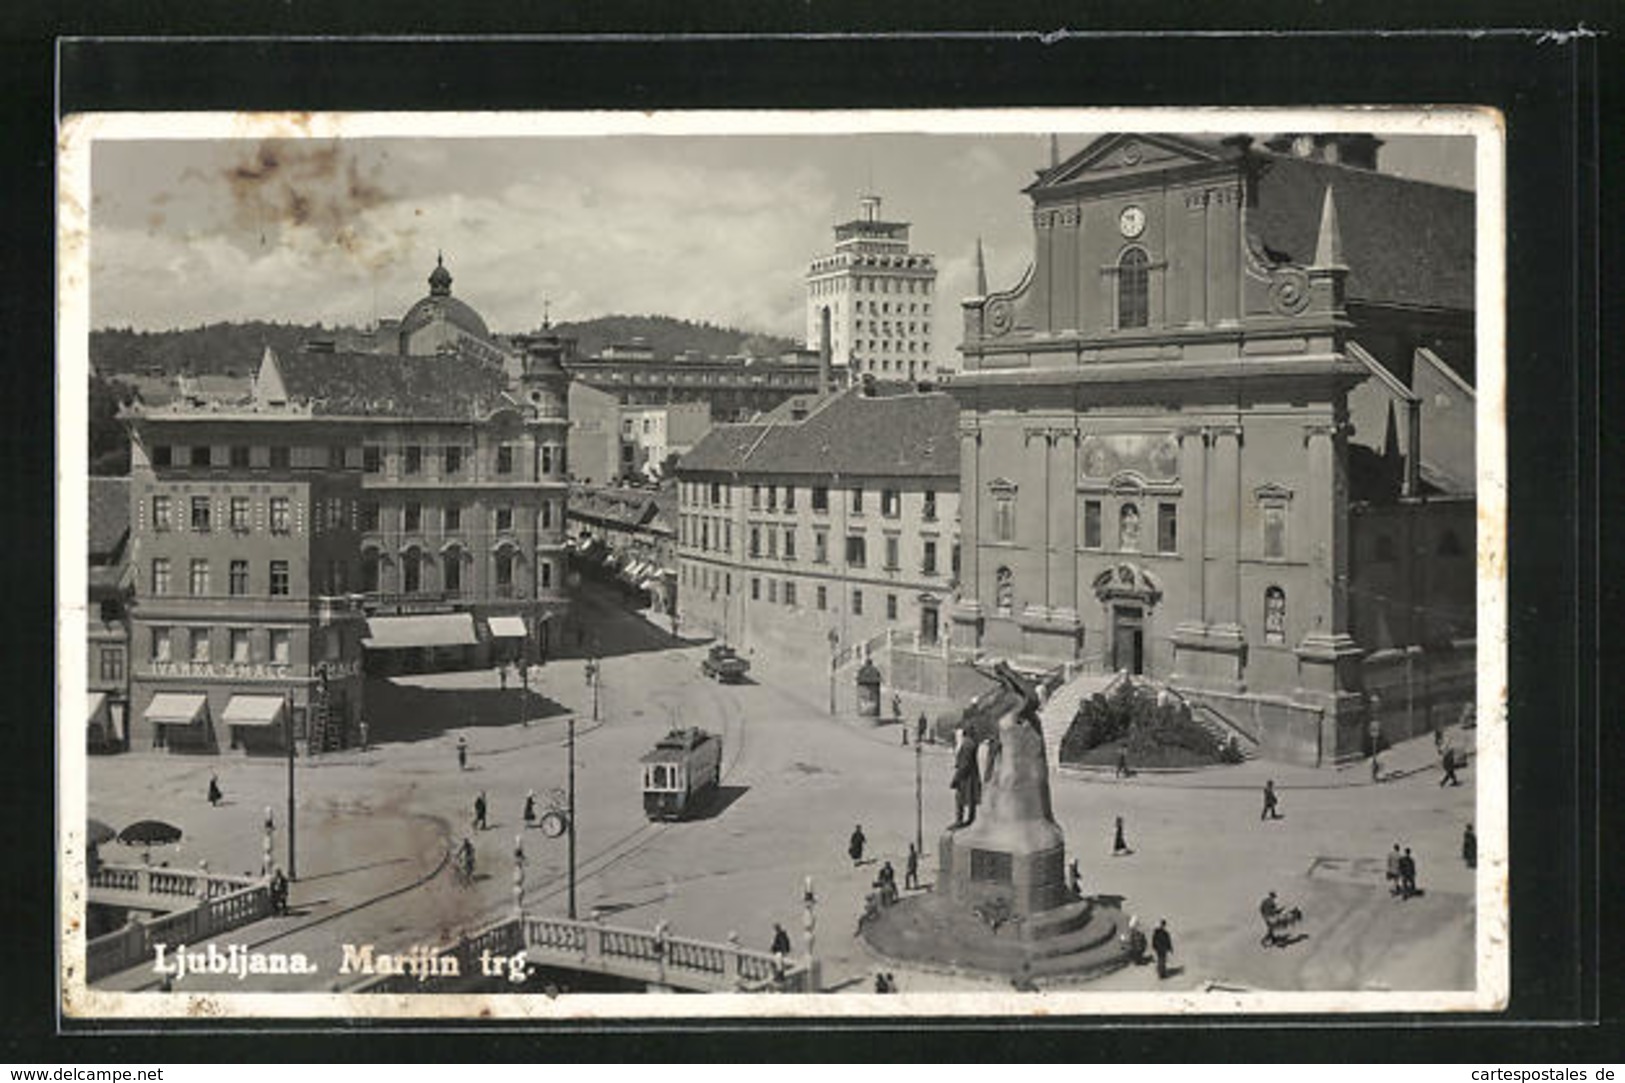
{"x": 1550, "y": 90}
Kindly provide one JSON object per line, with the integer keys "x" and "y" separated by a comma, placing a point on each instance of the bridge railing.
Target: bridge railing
{"x": 231, "y": 902}
{"x": 166, "y": 884}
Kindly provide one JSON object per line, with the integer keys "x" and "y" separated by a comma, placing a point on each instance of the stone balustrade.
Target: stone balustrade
{"x": 217, "y": 904}
{"x": 162, "y": 885}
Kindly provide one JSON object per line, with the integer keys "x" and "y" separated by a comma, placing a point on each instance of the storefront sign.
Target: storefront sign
{"x": 247, "y": 671}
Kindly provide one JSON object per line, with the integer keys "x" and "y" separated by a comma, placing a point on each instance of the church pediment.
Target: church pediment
{"x": 1126, "y": 154}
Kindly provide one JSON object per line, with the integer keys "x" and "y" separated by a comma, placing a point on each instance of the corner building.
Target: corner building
{"x": 1155, "y": 427}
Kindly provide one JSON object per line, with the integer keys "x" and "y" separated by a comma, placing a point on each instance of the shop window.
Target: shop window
{"x": 162, "y": 644}
{"x": 239, "y": 646}
{"x": 1274, "y": 615}
{"x": 200, "y": 645}
{"x": 1133, "y": 289}
{"x": 281, "y": 646}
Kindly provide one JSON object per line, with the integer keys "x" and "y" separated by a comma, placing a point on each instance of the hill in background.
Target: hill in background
{"x": 235, "y": 348}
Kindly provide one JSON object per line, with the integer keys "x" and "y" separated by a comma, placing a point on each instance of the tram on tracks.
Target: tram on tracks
{"x": 681, "y": 773}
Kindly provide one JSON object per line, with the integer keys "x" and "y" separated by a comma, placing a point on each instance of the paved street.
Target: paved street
{"x": 375, "y": 828}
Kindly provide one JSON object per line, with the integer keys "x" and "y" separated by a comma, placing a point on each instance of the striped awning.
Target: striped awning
{"x": 177, "y": 708}
{"x": 254, "y": 711}
{"x": 426, "y": 630}
{"x": 508, "y": 627}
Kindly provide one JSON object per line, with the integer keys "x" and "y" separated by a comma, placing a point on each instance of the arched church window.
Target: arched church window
{"x": 1133, "y": 289}
{"x": 1128, "y": 528}
{"x": 1274, "y": 615}
{"x": 1004, "y": 589}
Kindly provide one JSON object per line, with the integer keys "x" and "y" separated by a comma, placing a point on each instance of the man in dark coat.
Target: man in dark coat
{"x": 1162, "y": 946}
{"x": 1119, "y": 840}
{"x": 214, "y": 790}
{"x": 1469, "y": 848}
{"x": 919, "y": 732}
{"x": 854, "y": 845}
{"x": 781, "y": 940}
{"x": 1449, "y": 762}
{"x": 479, "y": 812}
{"x": 1407, "y": 874}
{"x": 1271, "y": 811}
{"x": 462, "y": 752}
{"x": 967, "y": 781}
{"x": 911, "y": 870}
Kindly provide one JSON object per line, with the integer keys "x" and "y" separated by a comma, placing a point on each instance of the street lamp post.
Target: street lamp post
{"x": 834, "y": 643}
{"x": 267, "y": 861}
{"x": 919, "y": 804}
{"x": 571, "y": 758}
{"x": 287, "y": 725}
{"x": 809, "y": 923}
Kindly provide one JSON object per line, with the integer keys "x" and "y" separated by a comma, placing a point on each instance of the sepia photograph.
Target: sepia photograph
{"x": 947, "y": 562}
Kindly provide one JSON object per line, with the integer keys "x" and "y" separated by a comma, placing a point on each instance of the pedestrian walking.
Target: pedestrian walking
{"x": 363, "y": 726}
{"x": 781, "y": 940}
{"x": 911, "y": 869}
{"x": 1469, "y": 848}
{"x": 1162, "y": 946}
{"x": 854, "y": 845}
{"x": 479, "y": 812}
{"x": 886, "y": 881}
{"x": 214, "y": 790}
{"x": 1272, "y": 803}
{"x": 897, "y": 706}
{"x": 903, "y": 731}
{"x": 1376, "y": 769}
{"x": 1407, "y": 874}
{"x": 462, "y": 752}
{"x": 919, "y": 731}
{"x": 1449, "y": 763}
{"x": 1394, "y": 857}
{"x": 1122, "y": 762}
{"x": 1119, "y": 842}
{"x": 530, "y": 809}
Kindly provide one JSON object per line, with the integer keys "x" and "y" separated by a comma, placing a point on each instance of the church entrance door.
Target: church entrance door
{"x": 1128, "y": 639}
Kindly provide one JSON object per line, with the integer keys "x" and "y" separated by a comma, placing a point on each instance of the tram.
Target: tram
{"x": 680, "y": 773}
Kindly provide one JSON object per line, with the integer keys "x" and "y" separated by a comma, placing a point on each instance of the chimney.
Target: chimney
{"x": 823, "y": 351}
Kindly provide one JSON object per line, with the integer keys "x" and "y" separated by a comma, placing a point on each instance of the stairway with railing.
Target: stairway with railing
{"x": 1061, "y": 708}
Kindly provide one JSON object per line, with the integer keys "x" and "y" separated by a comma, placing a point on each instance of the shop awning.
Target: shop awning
{"x": 254, "y": 711}
{"x": 96, "y": 711}
{"x": 428, "y": 630}
{"x": 176, "y": 708}
{"x": 508, "y": 627}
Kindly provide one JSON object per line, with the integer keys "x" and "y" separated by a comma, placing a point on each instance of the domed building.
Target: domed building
{"x": 440, "y": 323}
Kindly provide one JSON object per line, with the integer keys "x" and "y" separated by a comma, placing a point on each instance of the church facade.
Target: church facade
{"x": 1159, "y": 468}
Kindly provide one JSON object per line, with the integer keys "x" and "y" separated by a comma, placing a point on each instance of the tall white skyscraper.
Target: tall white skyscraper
{"x": 880, "y": 296}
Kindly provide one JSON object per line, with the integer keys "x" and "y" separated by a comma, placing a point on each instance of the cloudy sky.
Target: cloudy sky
{"x": 717, "y": 228}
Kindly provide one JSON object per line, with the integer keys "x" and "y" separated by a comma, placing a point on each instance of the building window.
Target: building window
{"x": 772, "y": 543}
{"x": 1004, "y": 591}
{"x": 369, "y": 516}
{"x": 279, "y": 515}
{"x": 755, "y": 589}
{"x": 200, "y": 514}
{"x": 891, "y": 554}
{"x": 200, "y": 645}
{"x": 451, "y": 571}
{"x": 891, "y": 503}
{"x": 414, "y": 460}
{"x": 857, "y": 603}
{"x": 239, "y": 646}
{"x": 546, "y": 568}
{"x": 414, "y": 517}
{"x": 1274, "y": 615}
{"x": 891, "y": 607}
{"x": 504, "y": 519}
{"x": 755, "y": 541}
{"x": 1167, "y": 528}
{"x": 200, "y": 456}
{"x": 547, "y": 460}
{"x": 372, "y": 459}
{"x": 505, "y": 460}
{"x": 755, "y": 498}
{"x": 1275, "y": 533}
{"x": 1128, "y": 528}
{"x": 856, "y": 501}
{"x": 789, "y": 544}
{"x": 789, "y": 592}
{"x": 161, "y": 455}
{"x": 369, "y": 571}
{"x": 239, "y": 515}
{"x": 411, "y": 572}
{"x": 929, "y": 513}
{"x": 454, "y": 460}
{"x": 727, "y": 536}
{"x": 1133, "y": 289}
{"x": 716, "y": 493}
{"x": 821, "y": 598}
{"x": 856, "y": 550}
{"x": 705, "y": 535}
{"x": 1004, "y": 516}
{"x": 505, "y": 573}
{"x": 820, "y": 547}
{"x": 239, "y": 577}
{"x": 239, "y": 456}
{"x": 160, "y": 575}
{"x": 454, "y": 517}
{"x": 281, "y": 646}
{"x": 773, "y": 498}
{"x": 112, "y": 664}
{"x": 162, "y": 644}
{"x": 160, "y": 514}
{"x": 928, "y": 559}
{"x": 773, "y": 591}
{"x": 198, "y": 579}
{"x": 279, "y": 577}
{"x": 547, "y": 515}
{"x": 820, "y": 499}
{"x": 281, "y": 458}
{"x": 335, "y": 456}
{"x": 1091, "y": 524}
{"x": 789, "y": 498}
